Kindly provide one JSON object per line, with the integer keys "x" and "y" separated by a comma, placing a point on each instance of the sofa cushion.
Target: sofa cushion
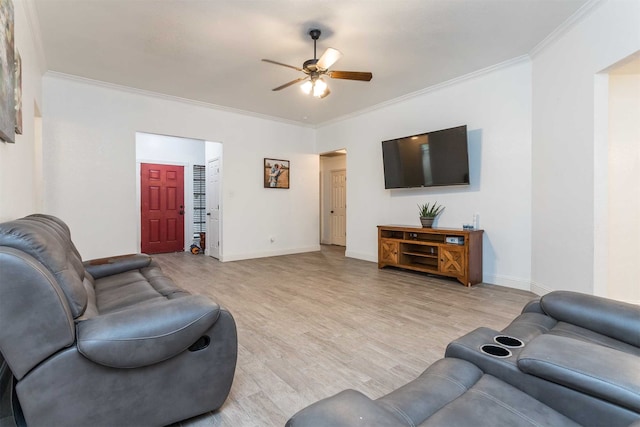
{"x": 491, "y": 402}
{"x": 451, "y": 392}
{"x": 123, "y": 290}
{"x": 592, "y": 369}
{"x": 349, "y": 408}
{"x": 564, "y": 329}
{"x": 441, "y": 383}
{"x": 612, "y": 318}
{"x": 147, "y": 333}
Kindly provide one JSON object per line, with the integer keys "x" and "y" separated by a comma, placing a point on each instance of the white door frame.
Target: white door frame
{"x": 338, "y": 240}
{"x": 210, "y": 234}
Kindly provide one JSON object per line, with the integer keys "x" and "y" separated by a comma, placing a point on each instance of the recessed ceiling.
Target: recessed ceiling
{"x": 210, "y": 50}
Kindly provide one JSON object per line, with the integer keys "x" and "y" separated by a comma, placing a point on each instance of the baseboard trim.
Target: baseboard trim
{"x": 360, "y": 255}
{"x": 240, "y": 257}
{"x": 539, "y": 289}
{"x": 506, "y": 281}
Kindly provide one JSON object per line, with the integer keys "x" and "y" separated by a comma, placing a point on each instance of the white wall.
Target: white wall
{"x": 565, "y": 190}
{"x": 328, "y": 164}
{"x": 496, "y": 107}
{"x": 548, "y": 238}
{"x": 162, "y": 149}
{"x": 18, "y": 167}
{"x": 624, "y": 188}
{"x": 90, "y": 168}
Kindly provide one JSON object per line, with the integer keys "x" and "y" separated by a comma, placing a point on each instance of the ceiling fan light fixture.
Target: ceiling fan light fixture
{"x": 306, "y": 87}
{"x": 319, "y": 88}
{"x": 313, "y": 83}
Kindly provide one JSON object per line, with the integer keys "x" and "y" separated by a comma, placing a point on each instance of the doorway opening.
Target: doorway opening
{"x": 624, "y": 181}
{"x": 333, "y": 198}
{"x": 616, "y": 180}
{"x": 192, "y": 156}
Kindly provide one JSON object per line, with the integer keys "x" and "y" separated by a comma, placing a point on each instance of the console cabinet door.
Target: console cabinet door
{"x": 388, "y": 252}
{"x": 452, "y": 260}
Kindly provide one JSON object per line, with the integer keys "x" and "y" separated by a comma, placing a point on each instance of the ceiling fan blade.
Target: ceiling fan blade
{"x": 328, "y": 58}
{"x": 351, "y": 75}
{"x": 292, "y": 82}
{"x": 280, "y": 63}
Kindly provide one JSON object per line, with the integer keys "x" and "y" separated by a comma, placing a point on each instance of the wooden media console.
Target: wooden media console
{"x": 443, "y": 251}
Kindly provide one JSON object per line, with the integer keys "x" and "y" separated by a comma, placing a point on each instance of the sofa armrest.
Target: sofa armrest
{"x": 532, "y": 306}
{"x": 348, "y": 408}
{"x": 103, "y": 267}
{"x": 146, "y": 334}
{"x": 611, "y": 318}
{"x": 598, "y": 371}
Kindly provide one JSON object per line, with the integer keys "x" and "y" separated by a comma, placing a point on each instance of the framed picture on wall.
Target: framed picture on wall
{"x": 18, "y": 92}
{"x": 7, "y": 75}
{"x": 276, "y": 173}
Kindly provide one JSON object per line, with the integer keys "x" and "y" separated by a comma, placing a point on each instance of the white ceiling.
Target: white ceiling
{"x": 210, "y": 50}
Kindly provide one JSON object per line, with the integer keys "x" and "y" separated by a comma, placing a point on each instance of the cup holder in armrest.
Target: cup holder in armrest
{"x": 508, "y": 341}
{"x": 495, "y": 350}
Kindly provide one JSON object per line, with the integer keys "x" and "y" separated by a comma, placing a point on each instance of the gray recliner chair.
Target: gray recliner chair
{"x": 568, "y": 359}
{"x": 105, "y": 342}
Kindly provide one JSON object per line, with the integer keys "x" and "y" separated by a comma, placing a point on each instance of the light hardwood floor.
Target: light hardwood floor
{"x": 311, "y": 325}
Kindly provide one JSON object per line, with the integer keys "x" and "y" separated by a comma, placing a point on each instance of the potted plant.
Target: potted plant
{"x": 428, "y": 213}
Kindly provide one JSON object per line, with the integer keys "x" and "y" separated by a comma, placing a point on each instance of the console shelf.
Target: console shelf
{"x": 444, "y": 251}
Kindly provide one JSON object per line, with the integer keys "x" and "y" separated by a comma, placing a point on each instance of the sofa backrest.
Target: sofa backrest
{"x": 35, "y": 317}
{"x": 61, "y": 228}
{"x": 48, "y": 243}
{"x": 611, "y": 318}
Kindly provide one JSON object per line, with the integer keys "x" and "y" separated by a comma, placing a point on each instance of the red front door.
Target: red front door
{"x": 162, "y": 189}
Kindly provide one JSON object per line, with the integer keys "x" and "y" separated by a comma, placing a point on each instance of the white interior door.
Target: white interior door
{"x": 338, "y": 217}
{"x": 213, "y": 207}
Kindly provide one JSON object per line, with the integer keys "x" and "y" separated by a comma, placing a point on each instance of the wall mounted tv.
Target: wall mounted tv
{"x": 427, "y": 160}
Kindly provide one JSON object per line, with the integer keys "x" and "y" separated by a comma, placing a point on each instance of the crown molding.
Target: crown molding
{"x": 165, "y": 97}
{"x": 567, "y": 25}
{"x": 452, "y": 82}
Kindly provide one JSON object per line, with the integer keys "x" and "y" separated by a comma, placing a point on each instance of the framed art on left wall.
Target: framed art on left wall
{"x": 18, "y": 92}
{"x": 7, "y": 76}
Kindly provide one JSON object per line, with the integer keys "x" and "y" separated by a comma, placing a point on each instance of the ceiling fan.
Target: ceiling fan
{"x": 316, "y": 68}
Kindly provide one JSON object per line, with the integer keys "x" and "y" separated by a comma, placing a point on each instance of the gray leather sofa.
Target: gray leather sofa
{"x": 105, "y": 342}
{"x": 568, "y": 359}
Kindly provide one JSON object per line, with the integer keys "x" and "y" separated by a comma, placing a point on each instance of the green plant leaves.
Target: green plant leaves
{"x": 430, "y": 211}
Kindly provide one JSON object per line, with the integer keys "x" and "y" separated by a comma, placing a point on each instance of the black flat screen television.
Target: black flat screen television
{"x": 427, "y": 160}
